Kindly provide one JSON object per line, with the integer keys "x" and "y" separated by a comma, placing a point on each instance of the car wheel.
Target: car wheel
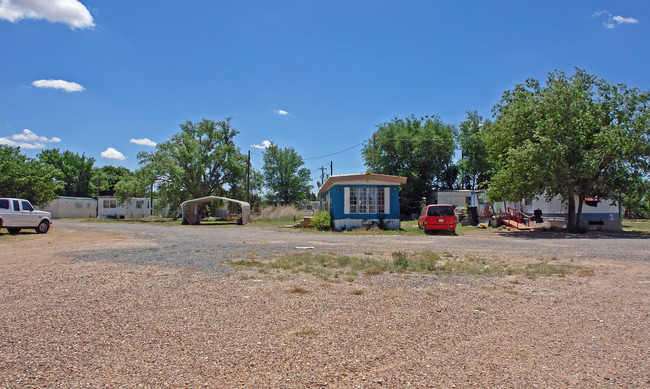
{"x": 43, "y": 227}
{"x": 13, "y": 231}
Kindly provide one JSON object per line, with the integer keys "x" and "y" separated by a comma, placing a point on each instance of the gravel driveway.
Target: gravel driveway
{"x": 130, "y": 305}
{"x": 205, "y": 247}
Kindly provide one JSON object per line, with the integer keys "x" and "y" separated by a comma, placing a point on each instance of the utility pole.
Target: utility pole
{"x": 99, "y": 184}
{"x": 151, "y": 202}
{"x": 374, "y": 145}
{"x": 322, "y": 175}
{"x": 248, "y": 178}
{"x": 331, "y": 168}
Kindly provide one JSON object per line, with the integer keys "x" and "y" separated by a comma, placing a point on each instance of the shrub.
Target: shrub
{"x": 322, "y": 221}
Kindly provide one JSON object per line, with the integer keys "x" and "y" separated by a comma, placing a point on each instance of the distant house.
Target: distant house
{"x": 596, "y": 213}
{"x": 110, "y": 207}
{"x": 64, "y": 206}
{"x": 359, "y": 200}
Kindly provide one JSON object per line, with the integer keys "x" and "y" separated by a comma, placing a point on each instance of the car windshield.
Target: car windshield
{"x": 440, "y": 211}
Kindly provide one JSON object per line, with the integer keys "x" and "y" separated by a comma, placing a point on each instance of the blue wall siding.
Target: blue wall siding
{"x": 337, "y": 206}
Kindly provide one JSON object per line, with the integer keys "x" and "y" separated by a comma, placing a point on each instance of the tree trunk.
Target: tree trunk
{"x": 571, "y": 211}
{"x": 581, "y": 200}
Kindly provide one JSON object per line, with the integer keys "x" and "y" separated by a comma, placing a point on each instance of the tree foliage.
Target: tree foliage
{"x": 286, "y": 181}
{"x": 27, "y": 178}
{"x": 420, "y": 149}
{"x": 74, "y": 171}
{"x": 136, "y": 184}
{"x": 201, "y": 160}
{"x": 576, "y": 137}
{"x": 474, "y": 165}
{"x": 107, "y": 178}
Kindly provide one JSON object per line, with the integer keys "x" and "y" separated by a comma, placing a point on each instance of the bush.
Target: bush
{"x": 322, "y": 221}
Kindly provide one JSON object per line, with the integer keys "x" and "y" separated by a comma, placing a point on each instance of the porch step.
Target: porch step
{"x": 304, "y": 223}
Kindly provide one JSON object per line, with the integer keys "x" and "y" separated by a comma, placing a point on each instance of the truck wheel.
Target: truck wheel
{"x": 43, "y": 227}
{"x": 13, "y": 231}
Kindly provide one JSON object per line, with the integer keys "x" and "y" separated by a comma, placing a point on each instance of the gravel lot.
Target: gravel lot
{"x": 115, "y": 304}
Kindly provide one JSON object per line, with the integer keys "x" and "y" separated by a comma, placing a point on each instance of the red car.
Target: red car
{"x": 437, "y": 217}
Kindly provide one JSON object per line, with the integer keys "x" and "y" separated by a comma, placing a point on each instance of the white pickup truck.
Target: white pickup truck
{"x": 16, "y": 214}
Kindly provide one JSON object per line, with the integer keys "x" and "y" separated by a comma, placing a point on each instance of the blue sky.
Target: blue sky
{"x": 94, "y": 76}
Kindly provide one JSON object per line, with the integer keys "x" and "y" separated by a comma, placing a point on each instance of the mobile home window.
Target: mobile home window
{"x": 353, "y": 200}
{"x": 110, "y": 203}
{"x": 381, "y": 201}
{"x": 363, "y": 200}
{"x": 372, "y": 200}
{"x": 139, "y": 203}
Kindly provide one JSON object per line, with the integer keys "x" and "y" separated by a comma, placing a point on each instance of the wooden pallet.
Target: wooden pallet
{"x": 514, "y": 224}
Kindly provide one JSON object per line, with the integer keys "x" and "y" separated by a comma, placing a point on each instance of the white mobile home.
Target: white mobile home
{"x": 72, "y": 207}
{"x": 596, "y": 213}
{"x": 110, "y": 207}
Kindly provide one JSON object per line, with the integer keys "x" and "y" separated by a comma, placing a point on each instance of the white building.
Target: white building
{"x": 71, "y": 207}
{"x": 596, "y": 213}
{"x": 110, "y": 207}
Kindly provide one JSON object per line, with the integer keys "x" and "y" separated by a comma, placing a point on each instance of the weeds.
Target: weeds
{"x": 328, "y": 266}
{"x": 305, "y": 332}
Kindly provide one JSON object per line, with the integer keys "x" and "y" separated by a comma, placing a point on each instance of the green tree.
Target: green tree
{"x": 420, "y": 149}
{"x": 286, "y": 181}
{"x": 474, "y": 164}
{"x": 74, "y": 171}
{"x": 27, "y": 178}
{"x": 136, "y": 184}
{"x": 107, "y": 177}
{"x": 576, "y": 137}
{"x": 201, "y": 160}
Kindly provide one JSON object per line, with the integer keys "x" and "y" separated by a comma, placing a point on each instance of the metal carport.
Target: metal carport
{"x": 190, "y": 209}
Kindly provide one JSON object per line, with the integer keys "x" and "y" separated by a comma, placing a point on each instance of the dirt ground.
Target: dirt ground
{"x": 70, "y": 323}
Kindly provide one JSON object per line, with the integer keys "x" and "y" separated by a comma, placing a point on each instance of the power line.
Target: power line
{"x": 338, "y": 152}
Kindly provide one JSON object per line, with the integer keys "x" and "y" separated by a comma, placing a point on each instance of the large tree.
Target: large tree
{"x": 286, "y": 181}
{"x": 575, "y": 137}
{"x": 75, "y": 171}
{"x": 474, "y": 164}
{"x": 201, "y": 160}
{"x": 27, "y": 178}
{"x": 420, "y": 149}
{"x": 107, "y": 178}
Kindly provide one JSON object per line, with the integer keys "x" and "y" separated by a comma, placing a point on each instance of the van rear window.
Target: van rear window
{"x": 440, "y": 211}
{"x": 4, "y": 204}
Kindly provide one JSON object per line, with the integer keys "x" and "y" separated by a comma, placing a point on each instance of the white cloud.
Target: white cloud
{"x": 623, "y": 20}
{"x": 59, "y": 84}
{"x": 28, "y": 140}
{"x": 265, "y": 145}
{"x": 143, "y": 142}
{"x": 111, "y": 153}
{"x": 281, "y": 112}
{"x": 614, "y": 21}
{"x": 70, "y": 12}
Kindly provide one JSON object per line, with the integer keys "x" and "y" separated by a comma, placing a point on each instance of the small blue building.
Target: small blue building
{"x": 359, "y": 200}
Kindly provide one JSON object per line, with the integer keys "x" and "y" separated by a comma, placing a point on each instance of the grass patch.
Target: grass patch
{"x": 328, "y": 266}
{"x": 637, "y": 225}
{"x": 305, "y": 332}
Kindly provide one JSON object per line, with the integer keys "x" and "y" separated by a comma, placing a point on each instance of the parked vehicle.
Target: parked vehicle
{"x": 437, "y": 217}
{"x": 16, "y": 214}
